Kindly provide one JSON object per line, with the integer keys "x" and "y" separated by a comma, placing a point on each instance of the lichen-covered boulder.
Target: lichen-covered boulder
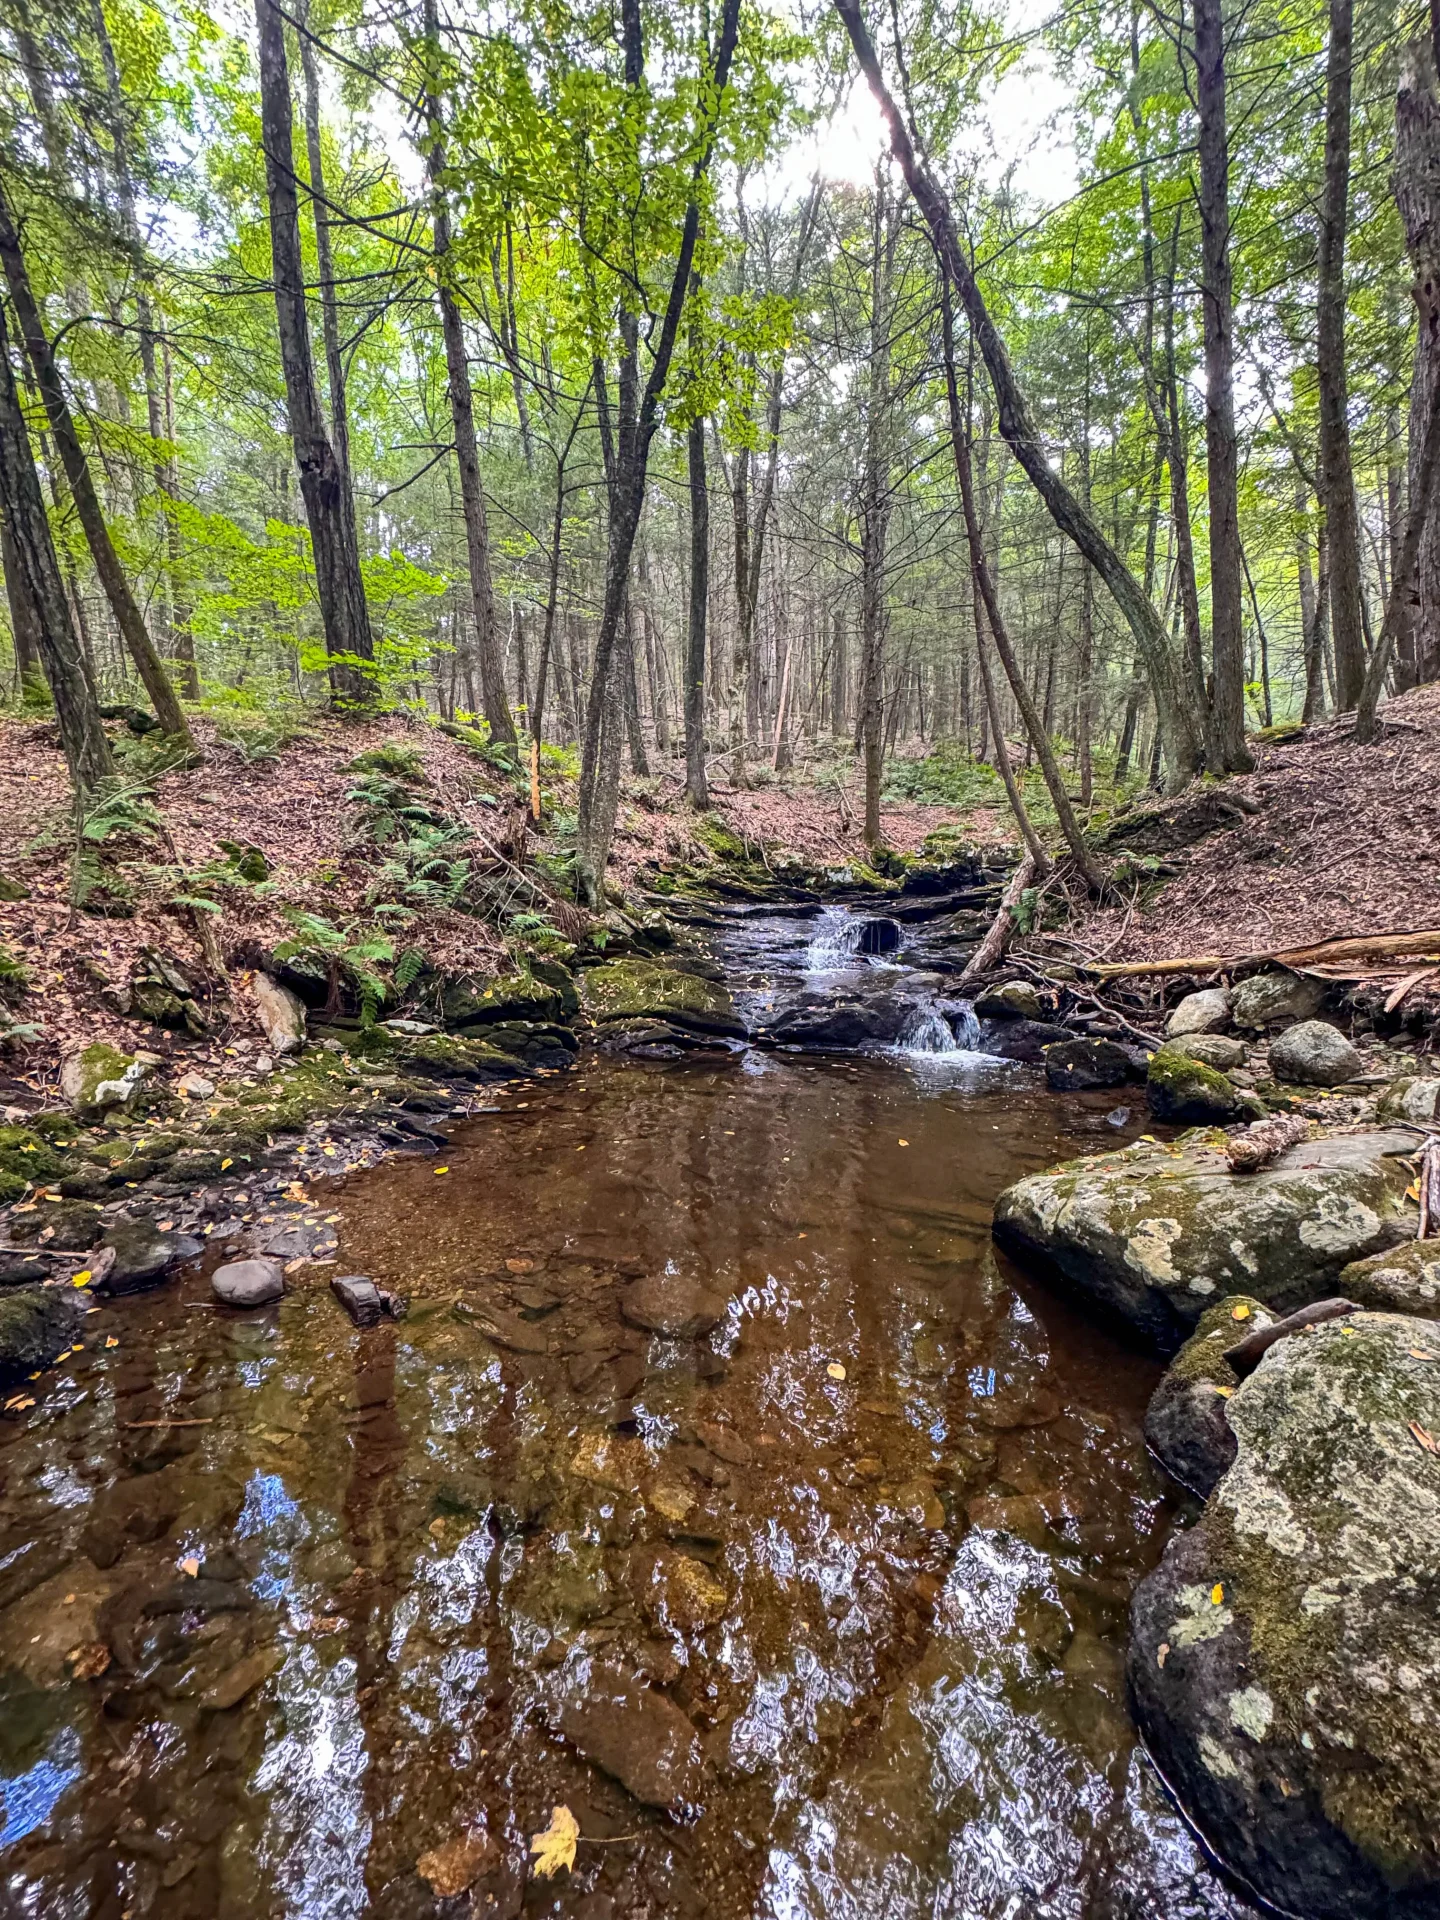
{"x": 634, "y": 989}
{"x": 1217, "y": 1050}
{"x": 1284, "y": 1658}
{"x": 1203, "y": 1012}
{"x": 100, "y": 1077}
{"x": 1185, "y": 1424}
{"x": 1403, "y": 1279}
{"x": 1273, "y": 999}
{"x": 1182, "y": 1089}
{"x": 1314, "y": 1054}
{"x": 1415, "y": 1100}
{"x": 1157, "y": 1233}
{"x": 1012, "y": 1000}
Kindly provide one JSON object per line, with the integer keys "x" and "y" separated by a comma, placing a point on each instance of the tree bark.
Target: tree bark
{"x": 697, "y": 790}
{"x": 1417, "y": 194}
{"x": 876, "y": 503}
{"x": 123, "y": 604}
{"x": 1346, "y": 616}
{"x": 324, "y": 486}
{"x": 324, "y": 258}
{"x": 1227, "y": 647}
{"x": 32, "y": 575}
{"x": 1182, "y": 750}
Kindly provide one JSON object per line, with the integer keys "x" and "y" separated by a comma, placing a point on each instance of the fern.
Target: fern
{"x": 408, "y": 968}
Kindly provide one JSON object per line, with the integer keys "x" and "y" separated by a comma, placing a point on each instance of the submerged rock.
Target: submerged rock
{"x": 671, "y": 1305}
{"x": 1203, "y": 1012}
{"x": 1314, "y": 1054}
{"x": 638, "y": 1736}
{"x": 1158, "y": 1233}
{"x": 1182, "y": 1089}
{"x": 143, "y": 1255}
{"x": 248, "y": 1283}
{"x": 644, "y": 989}
{"x": 1185, "y": 1424}
{"x": 1076, "y": 1065}
{"x": 1284, "y": 1660}
{"x": 36, "y": 1324}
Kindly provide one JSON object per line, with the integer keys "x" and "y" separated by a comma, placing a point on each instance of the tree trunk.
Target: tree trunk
{"x": 697, "y": 790}
{"x": 325, "y": 488}
{"x": 32, "y": 575}
{"x": 1315, "y": 635}
{"x": 128, "y": 616}
{"x": 1417, "y": 193}
{"x": 1346, "y": 616}
{"x": 875, "y": 504}
{"x": 24, "y": 621}
{"x": 462, "y": 414}
{"x": 324, "y": 259}
{"x": 1227, "y": 647}
{"x": 1175, "y": 722}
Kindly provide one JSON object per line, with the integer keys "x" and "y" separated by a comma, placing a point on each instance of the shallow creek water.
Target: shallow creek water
{"x": 890, "y": 1602}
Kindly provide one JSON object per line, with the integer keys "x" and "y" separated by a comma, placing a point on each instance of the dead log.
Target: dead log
{"x": 1247, "y": 1354}
{"x": 1259, "y": 1144}
{"x": 1365, "y": 946}
{"x": 997, "y": 938}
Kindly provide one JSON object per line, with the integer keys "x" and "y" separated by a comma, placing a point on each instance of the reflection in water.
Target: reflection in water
{"x": 871, "y": 1536}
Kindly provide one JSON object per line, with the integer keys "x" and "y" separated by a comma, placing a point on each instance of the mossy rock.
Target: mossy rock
{"x": 14, "y": 978}
{"x": 1185, "y": 1424}
{"x": 11, "y": 889}
{"x": 27, "y": 1159}
{"x": 1156, "y": 1234}
{"x": 452, "y": 1056}
{"x": 1403, "y": 1279}
{"x": 1413, "y": 1099}
{"x": 1284, "y": 1659}
{"x": 100, "y": 1077}
{"x": 36, "y": 1324}
{"x": 722, "y": 842}
{"x": 472, "y": 1003}
{"x": 1182, "y": 1089}
{"x": 73, "y": 1225}
{"x": 637, "y": 989}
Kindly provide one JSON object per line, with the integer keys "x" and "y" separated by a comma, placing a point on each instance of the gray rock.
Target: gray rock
{"x": 1185, "y": 1424}
{"x": 1216, "y": 1050}
{"x": 1019, "y": 1039}
{"x": 23, "y": 1269}
{"x": 1273, "y": 999}
{"x": 1076, "y": 1065}
{"x": 1203, "y": 1012}
{"x": 360, "y": 1297}
{"x": 1314, "y": 1054}
{"x": 143, "y": 1256}
{"x": 671, "y": 1305}
{"x": 1015, "y": 1000}
{"x": 1401, "y": 1280}
{"x": 828, "y": 1022}
{"x": 36, "y": 1324}
{"x": 1156, "y": 1234}
{"x": 638, "y": 1736}
{"x": 248, "y": 1283}
{"x": 1284, "y": 1658}
{"x": 281, "y": 1013}
{"x": 1415, "y": 1100}
{"x": 97, "y": 1078}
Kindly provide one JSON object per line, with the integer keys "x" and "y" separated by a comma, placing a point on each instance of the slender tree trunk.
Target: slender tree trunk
{"x": 875, "y": 504}
{"x": 128, "y": 617}
{"x": 1315, "y": 637}
{"x": 1182, "y": 747}
{"x": 697, "y": 790}
{"x": 462, "y": 414}
{"x": 32, "y": 575}
{"x": 1346, "y": 613}
{"x": 324, "y": 258}
{"x": 324, "y": 486}
{"x": 1417, "y": 193}
{"x": 1228, "y": 751}
{"x": 630, "y": 692}
{"x": 24, "y": 620}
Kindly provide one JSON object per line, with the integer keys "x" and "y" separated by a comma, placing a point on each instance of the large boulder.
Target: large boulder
{"x": 1180, "y": 1088}
{"x": 1157, "y": 1233}
{"x": 1012, "y": 1000}
{"x": 1185, "y": 1424}
{"x": 1075, "y": 1066}
{"x": 511, "y": 996}
{"x": 1284, "y": 1659}
{"x": 1403, "y": 1279}
{"x": 1275, "y": 999}
{"x": 281, "y": 1014}
{"x": 1203, "y": 1012}
{"x": 634, "y": 989}
{"x": 143, "y": 1254}
{"x": 1216, "y": 1050}
{"x": 1314, "y": 1054}
{"x": 839, "y": 1023}
{"x": 36, "y": 1324}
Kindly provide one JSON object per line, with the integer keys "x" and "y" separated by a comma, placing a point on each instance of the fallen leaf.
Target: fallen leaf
{"x": 82, "y": 1278}
{"x": 1421, "y": 1353}
{"x": 1425, "y": 1437}
{"x": 226, "y": 1163}
{"x": 555, "y": 1847}
{"x": 835, "y": 1370}
{"x": 1242, "y": 1312}
{"x": 1217, "y": 1594}
{"x": 440, "y": 1170}
{"x": 1225, "y": 1393}
{"x": 191, "y": 1566}
{"x": 164, "y": 1226}
{"x": 520, "y": 1266}
{"x": 18, "y": 1403}
{"x": 904, "y": 1143}
{"x": 111, "y": 1341}
{"x": 88, "y": 1662}
{"x": 1160, "y": 1656}
{"x": 455, "y": 1866}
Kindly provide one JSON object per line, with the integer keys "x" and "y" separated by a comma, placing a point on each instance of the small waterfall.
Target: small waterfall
{"x": 840, "y": 939}
{"x": 927, "y": 1031}
{"x": 966, "y": 1028}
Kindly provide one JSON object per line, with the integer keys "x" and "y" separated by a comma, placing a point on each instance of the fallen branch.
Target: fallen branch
{"x": 1247, "y": 1354}
{"x": 987, "y": 954}
{"x": 1247, "y": 1152}
{"x": 1425, "y": 940}
{"x": 1394, "y": 999}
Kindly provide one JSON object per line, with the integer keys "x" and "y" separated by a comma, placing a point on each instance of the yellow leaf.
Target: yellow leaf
{"x": 226, "y": 1163}
{"x": 1412, "y": 1192}
{"x": 555, "y": 1847}
{"x": 1241, "y": 1312}
{"x": 835, "y": 1370}
{"x": 440, "y": 1170}
{"x": 190, "y": 1566}
{"x": 1217, "y": 1594}
{"x": 82, "y": 1278}
{"x": 111, "y": 1341}
{"x": 1225, "y": 1392}
{"x": 904, "y": 1143}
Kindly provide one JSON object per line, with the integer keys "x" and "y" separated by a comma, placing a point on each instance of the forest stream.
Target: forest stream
{"x": 836, "y": 1586}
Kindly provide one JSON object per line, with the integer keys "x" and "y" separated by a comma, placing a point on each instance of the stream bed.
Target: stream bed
{"x": 837, "y": 1585}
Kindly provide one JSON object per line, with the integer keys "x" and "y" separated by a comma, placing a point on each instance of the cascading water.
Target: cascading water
{"x": 927, "y": 1031}
{"x": 966, "y": 1028}
{"x": 841, "y": 938}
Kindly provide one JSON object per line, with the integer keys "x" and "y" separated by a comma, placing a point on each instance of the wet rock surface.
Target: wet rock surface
{"x": 1186, "y": 1427}
{"x": 1284, "y": 1658}
{"x": 248, "y": 1283}
{"x": 1156, "y": 1233}
{"x": 36, "y": 1323}
{"x": 1077, "y": 1066}
{"x": 667, "y": 1304}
